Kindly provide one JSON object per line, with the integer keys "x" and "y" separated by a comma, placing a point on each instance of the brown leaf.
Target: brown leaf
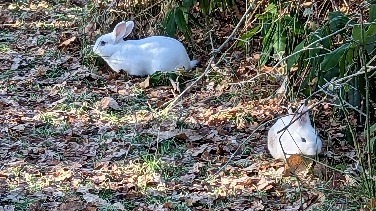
{"x": 187, "y": 177}
{"x": 168, "y": 205}
{"x": 71, "y": 205}
{"x": 68, "y": 41}
{"x": 371, "y": 205}
{"x": 298, "y": 165}
{"x": 89, "y": 28}
{"x": 200, "y": 150}
{"x": 91, "y": 208}
{"x": 16, "y": 63}
{"x": 109, "y": 102}
{"x": 265, "y": 184}
{"x": 145, "y": 83}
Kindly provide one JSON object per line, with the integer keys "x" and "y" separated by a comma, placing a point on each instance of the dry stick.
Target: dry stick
{"x": 301, "y": 114}
{"x": 209, "y": 66}
{"x": 113, "y": 3}
{"x": 345, "y": 102}
{"x": 254, "y": 20}
{"x": 249, "y": 80}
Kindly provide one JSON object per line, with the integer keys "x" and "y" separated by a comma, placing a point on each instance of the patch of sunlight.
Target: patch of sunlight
{"x": 34, "y": 182}
{"x": 130, "y": 3}
{"x": 63, "y": 23}
{"x": 29, "y": 7}
{"x": 52, "y": 118}
{"x": 42, "y": 25}
{"x": 132, "y": 118}
{"x": 4, "y": 47}
{"x": 138, "y": 116}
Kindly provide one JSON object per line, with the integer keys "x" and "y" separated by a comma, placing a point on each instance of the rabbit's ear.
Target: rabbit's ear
{"x": 122, "y": 29}
{"x": 304, "y": 119}
{"x": 129, "y": 28}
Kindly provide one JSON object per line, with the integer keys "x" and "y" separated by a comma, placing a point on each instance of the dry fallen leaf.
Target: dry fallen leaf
{"x": 371, "y": 205}
{"x": 199, "y": 151}
{"x": 265, "y": 184}
{"x": 89, "y": 28}
{"x": 19, "y": 127}
{"x": 68, "y": 41}
{"x": 16, "y": 63}
{"x": 95, "y": 199}
{"x": 298, "y": 165}
{"x": 145, "y": 83}
{"x": 109, "y": 102}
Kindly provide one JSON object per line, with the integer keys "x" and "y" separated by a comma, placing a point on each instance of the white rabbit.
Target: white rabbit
{"x": 299, "y": 138}
{"x": 141, "y": 57}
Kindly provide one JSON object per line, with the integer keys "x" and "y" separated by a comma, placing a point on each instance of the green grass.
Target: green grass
{"x": 24, "y": 204}
{"x": 172, "y": 173}
{"x": 225, "y": 97}
{"x": 153, "y": 163}
{"x": 4, "y": 47}
{"x": 106, "y": 194}
{"x": 45, "y": 131}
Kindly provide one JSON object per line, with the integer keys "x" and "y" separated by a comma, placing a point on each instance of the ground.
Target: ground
{"x": 76, "y": 136}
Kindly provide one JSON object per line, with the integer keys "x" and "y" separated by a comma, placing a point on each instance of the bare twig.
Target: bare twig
{"x": 249, "y": 80}
{"x": 297, "y": 116}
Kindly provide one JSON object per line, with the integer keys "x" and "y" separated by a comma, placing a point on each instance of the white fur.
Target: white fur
{"x": 292, "y": 139}
{"x": 141, "y": 57}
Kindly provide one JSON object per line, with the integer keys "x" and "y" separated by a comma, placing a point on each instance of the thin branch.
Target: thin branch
{"x": 249, "y": 80}
{"x": 236, "y": 28}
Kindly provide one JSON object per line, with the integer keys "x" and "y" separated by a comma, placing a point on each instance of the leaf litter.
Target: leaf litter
{"x": 77, "y": 139}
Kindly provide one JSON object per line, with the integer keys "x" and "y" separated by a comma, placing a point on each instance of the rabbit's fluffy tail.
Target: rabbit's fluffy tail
{"x": 193, "y": 63}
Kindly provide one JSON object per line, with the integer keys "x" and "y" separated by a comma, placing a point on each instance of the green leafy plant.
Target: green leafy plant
{"x": 373, "y": 139}
{"x": 340, "y": 53}
{"x": 179, "y": 17}
{"x": 167, "y": 78}
{"x": 279, "y": 32}
{"x": 209, "y": 6}
{"x": 327, "y": 61}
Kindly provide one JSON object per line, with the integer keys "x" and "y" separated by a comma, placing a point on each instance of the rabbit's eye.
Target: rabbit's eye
{"x": 304, "y": 140}
{"x": 102, "y": 43}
